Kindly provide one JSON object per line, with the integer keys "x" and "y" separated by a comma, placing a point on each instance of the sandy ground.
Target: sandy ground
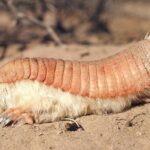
{"x": 127, "y": 130}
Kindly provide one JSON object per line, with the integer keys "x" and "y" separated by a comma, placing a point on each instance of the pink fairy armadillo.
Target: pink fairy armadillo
{"x": 45, "y": 90}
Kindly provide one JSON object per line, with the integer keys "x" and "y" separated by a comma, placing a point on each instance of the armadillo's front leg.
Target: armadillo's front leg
{"x": 15, "y": 116}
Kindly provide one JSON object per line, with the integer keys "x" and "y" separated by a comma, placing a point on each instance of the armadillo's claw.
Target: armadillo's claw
{"x": 25, "y": 118}
{"x": 15, "y": 117}
{"x": 6, "y": 122}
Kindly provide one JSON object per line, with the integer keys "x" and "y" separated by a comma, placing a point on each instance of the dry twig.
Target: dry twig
{"x": 19, "y": 16}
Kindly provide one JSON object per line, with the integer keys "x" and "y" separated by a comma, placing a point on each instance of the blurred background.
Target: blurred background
{"x": 81, "y": 22}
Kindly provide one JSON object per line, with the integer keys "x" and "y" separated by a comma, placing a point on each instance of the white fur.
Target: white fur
{"x": 49, "y": 104}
